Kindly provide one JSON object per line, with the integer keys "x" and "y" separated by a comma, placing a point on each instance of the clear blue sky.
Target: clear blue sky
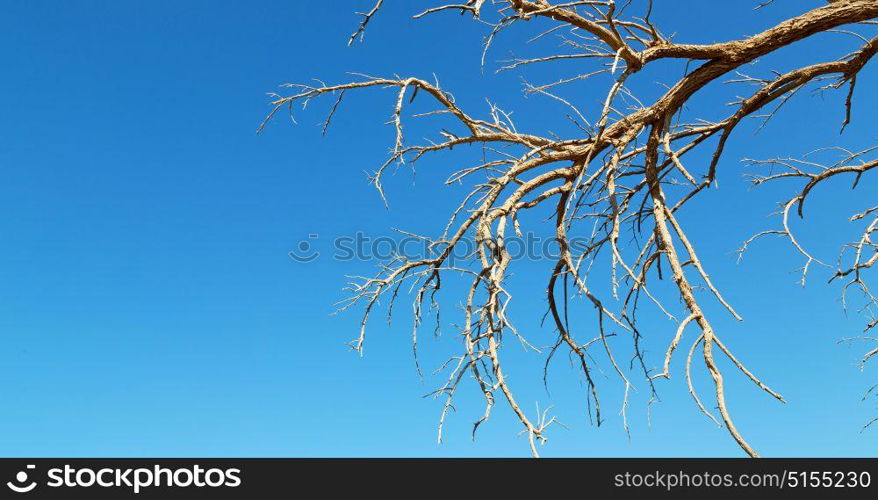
{"x": 148, "y": 306}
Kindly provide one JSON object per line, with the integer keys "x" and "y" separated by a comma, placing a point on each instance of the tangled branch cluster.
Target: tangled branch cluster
{"x": 625, "y": 177}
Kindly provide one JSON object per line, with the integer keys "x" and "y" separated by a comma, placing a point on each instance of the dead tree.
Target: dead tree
{"x": 625, "y": 177}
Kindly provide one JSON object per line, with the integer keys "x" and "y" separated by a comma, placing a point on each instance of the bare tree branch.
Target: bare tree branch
{"x": 618, "y": 178}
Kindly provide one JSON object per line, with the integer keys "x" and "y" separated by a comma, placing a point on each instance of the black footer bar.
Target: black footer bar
{"x": 257, "y": 478}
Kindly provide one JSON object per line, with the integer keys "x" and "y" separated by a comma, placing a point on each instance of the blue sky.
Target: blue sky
{"x": 149, "y": 307}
